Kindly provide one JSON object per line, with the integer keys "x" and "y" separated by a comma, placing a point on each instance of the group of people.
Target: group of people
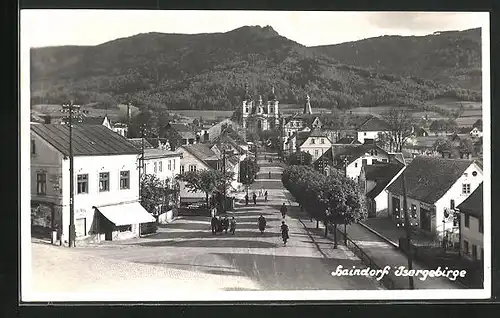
{"x": 254, "y": 196}
{"x": 220, "y": 225}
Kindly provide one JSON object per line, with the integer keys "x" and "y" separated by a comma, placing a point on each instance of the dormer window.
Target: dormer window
{"x": 313, "y": 141}
{"x": 322, "y": 141}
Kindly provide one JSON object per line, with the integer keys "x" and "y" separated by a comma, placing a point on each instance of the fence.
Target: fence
{"x": 386, "y": 281}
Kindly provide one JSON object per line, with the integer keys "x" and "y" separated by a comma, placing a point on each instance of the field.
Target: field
{"x": 113, "y": 113}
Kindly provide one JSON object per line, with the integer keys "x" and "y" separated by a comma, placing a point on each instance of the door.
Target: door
{"x": 474, "y": 252}
{"x": 80, "y": 227}
{"x": 372, "y": 212}
{"x": 425, "y": 219}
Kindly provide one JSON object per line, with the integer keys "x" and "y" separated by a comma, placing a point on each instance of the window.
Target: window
{"x": 316, "y": 152}
{"x": 355, "y": 165}
{"x": 124, "y": 180}
{"x": 474, "y": 252}
{"x": 364, "y": 134}
{"x": 41, "y": 183}
{"x": 103, "y": 181}
{"x": 322, "y": 141}
{"x": 313, "y": 141}
{"x": 452, "y": 204}
{"x": 466, "y": 222}
{"x": 465, "y": 174}
{"x": 465, "y": 188}
{"x": 246, "y": 109}
{"x": 182, "y": 169}
{"x": 33, "y": 147}
{"x": 413, "y": 211}
{"x": 155, "y": 168}
{"x": 160, "y": 166}
{"x": 173, "y": 164}
{"x": 192, "y": 167}
{"x": 474, "y": 173}
{"x": 480, "y": 225}
{"x": 272, "y": 110}
{"x": 466, "y": 247}
{"x": 169, "y": 165}
{"x": 384, "y": 160}
{"x": 82, "y": 183}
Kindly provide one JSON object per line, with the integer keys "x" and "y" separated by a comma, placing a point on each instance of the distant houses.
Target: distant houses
{"x": 106, "y": 182}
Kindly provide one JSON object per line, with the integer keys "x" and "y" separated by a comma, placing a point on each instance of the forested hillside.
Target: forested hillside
{"x": 209, "y": 71}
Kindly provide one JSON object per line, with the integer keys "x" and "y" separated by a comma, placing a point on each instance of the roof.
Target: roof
{"x": 374, "y": 124}
{"x": 154, "y": 153}
{"x": 473, "y": 205}
{"x": 93, "y": 120}
{"x": 201, "y": 152}
{"x": 88, "y": 140}
{"x": 138, "y": 143}
{"x": 354, "y": 152}
{"x": 382, "y": 174}
{"x": 348, "y": 140}
{"x": 398, "y": 156}
{"x": 317, "y": 132}
{"x": 183, "y": 130}
{"x": 429, "y": 178}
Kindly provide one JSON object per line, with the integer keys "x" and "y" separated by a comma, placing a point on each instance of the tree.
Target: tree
{"x": 400, "y": 123}
{"x": 152, "y": 192}
{"x": 442, "y": 144}
{"x": 205, "y": 181}
{"x": 248, "y": 171}
{"x": 478, "y": 124}
{"x": 300, "y": 158}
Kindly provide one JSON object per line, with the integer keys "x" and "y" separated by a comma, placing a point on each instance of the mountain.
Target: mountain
{"x": 209, "y": 71}
{"x": 452, "y": 57}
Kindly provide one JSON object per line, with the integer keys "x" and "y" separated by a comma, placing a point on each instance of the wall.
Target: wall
{"x": 354, "y": 168}
{"x": 187, "y": 160}
{"x": 471, "y": 235}
{"x": 369, "y": 135}
{"x": 455, "y": 193}
{"x": 165, "y": 173}
{"x": 166, "y": 217}
{"x": 311, "y": 148}
{"x": 381, "y": 204}
{"x": 93, "y": 165}
{"x": 413, "y": 221}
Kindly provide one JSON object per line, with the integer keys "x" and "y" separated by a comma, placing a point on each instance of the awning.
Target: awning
{"x": 126, "y": 214}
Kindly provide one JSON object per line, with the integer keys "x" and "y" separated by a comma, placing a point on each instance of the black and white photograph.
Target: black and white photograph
{"x": 254, "y": 155}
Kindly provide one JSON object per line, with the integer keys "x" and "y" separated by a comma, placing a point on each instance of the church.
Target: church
{"x": 257, "y": 116}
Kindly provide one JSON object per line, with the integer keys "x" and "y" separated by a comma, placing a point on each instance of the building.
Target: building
{"x": 316, "y": 144}
{"x": 196, "y": 157}
{"x": 119, "y": 128}
{"x": 300, "y": 122}
{"x": 257, "y": 116}
{"x": 106, "y": 181}
{"x": 475, "y": 132}
{"x": 140, "y": 142}
{"x": 178, "y": 134}
{"x": 162, "y": 163}
{"x": 434, "y": 185}
{"x": 214, "y": 131}
{"x": 371, "y": 128}
{"x": 373, "y": 181}
{"x": 351, "y": 158}
{"x": 471, "y": 225}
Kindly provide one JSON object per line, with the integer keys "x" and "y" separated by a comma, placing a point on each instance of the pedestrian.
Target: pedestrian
{"x": 284, "y": 232}
{"x": 225, "y": 224}
{"x": 269, "y": 174}
{"x": 233, "y": 225}
{"x": 213, "y": 223}
{"x": 261, "y": 192}
{"x": 262, "y": 223}
{"x": 265, "y": 196}
{"x": 254, "y": 199}
{"x": 283, "y": 210}
{"x": 246, "y": 199}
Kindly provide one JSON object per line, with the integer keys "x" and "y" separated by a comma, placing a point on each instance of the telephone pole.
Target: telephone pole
{"x": 408, "y": 231}
{"x": 74, "y": 112}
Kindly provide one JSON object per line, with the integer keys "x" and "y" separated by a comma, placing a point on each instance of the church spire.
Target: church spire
{"x": 247, "y": 95}
{"x": 307, "y": 106}
{"x": 272, "y": 96}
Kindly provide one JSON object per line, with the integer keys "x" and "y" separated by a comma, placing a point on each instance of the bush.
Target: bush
{"x": 149, "y": 228}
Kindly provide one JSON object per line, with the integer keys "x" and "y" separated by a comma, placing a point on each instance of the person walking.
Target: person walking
{"x": 284, "y": 232}
{"x": 262, "y": 224}
{"x": 283, "y": 210}
{"x": 213, "y": 223}
{"x": 246, "y": 199}
{"x": 233, "y": 226}
{"x": 225, "y": 224}
{"x": 254, "y": 199}
{"x": 265, "y": 196}
{"x": 269, "y": 174}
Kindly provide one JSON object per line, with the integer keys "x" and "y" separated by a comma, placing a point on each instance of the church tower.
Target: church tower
{"x": 307, "y": 106}
{"x": 272, "y": 109}
{"x": 247, "y": 107}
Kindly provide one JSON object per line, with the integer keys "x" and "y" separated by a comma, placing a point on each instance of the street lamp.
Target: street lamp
{"x": 74, "y": 113}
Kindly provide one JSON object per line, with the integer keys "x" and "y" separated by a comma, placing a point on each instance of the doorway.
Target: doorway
{"x": 425, "y": 219}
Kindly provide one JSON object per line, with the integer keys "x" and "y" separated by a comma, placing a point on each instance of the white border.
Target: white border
{"x": 26, "y": 275}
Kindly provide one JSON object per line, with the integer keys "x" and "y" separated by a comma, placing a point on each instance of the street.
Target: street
{"x": 186, "y": 249}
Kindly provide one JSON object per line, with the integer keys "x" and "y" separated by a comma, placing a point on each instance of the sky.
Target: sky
{"x": 93, "y": 27}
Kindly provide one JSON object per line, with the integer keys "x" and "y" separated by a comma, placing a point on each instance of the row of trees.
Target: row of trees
{"x": 155, "y": 192}
{"x": 333, "y": 199}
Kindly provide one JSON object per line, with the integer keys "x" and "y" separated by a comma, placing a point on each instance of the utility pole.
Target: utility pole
{"x": 128, "y": 119}
{"x": 224, "y": 180}
{"x": 408, "y": 231}
{"x": 141, "y": 162}
{"x": 73, "y": 111}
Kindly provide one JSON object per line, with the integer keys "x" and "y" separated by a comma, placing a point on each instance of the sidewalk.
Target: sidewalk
{"x": 391, "y": 232}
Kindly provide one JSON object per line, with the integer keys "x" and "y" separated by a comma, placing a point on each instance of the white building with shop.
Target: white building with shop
{"x": 106, "y": 181}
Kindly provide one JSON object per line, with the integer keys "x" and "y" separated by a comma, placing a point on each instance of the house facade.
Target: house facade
{"x": 106, "y": 180}
{"x": 371, "y": 128}
{"x": 259, "y": 116}
{"x": 471, "y": 226}
{"x": 316, "y": 144}
{"x": 475, "y": 132}
{"x": 434, "y": 187}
